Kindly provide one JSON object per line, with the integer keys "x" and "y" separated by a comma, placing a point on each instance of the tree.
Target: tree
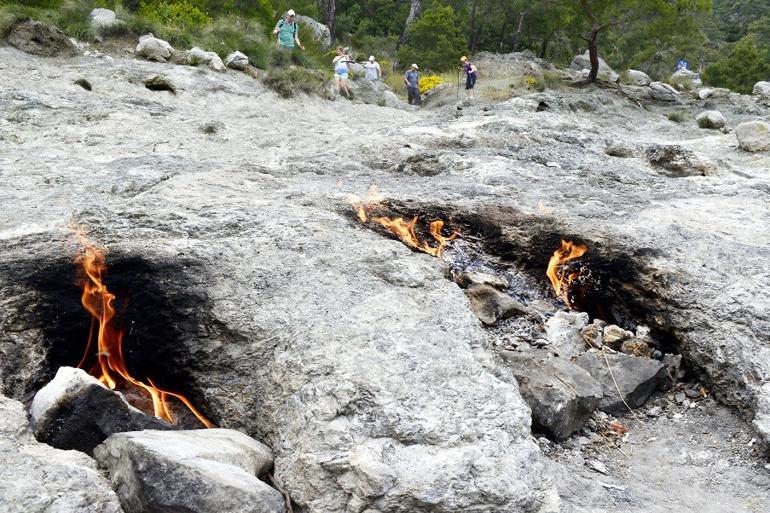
{"x": 415, "y": 8}
{"x": 329, "y": 14}
{"x": 435, "y": 40}
{"x": 747, "y": 63}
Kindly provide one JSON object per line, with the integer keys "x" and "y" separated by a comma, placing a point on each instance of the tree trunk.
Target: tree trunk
{"x": 517, "y": 36}
{"x": 329, "y": 13}
{"x": 593, "y": 52}
{"x": 544, "y": 46}
{"x": 472, "y": 30}
{"x": 414, "y": 12}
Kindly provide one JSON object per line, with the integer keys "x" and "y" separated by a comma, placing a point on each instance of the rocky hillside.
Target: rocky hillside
{"x": 382, "y": 378}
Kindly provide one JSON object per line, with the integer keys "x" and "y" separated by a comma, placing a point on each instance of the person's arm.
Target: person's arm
{"x": 277, "y": 28}
{"x": 296, "y": 37}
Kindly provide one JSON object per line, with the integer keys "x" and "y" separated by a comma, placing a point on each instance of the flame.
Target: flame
{"x": 560, "y": 279}
{"x": 110, "y": 367}
{"x": 404, "y": 230}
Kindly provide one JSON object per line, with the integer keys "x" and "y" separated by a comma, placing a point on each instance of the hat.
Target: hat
{"x": 371, "y": 57}
{"x": 291, "y": 12}
{"x": 415, "y": 66}
{"x": 463, "y": 58}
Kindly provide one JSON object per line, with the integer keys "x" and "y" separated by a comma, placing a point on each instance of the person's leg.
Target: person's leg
{"x": 473, "y": 88}
{"x": 344, "y": 82}
{"x": 468, "y": 86}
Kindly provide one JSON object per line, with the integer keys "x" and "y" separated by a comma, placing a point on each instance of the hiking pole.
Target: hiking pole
{"x": 457, "y": 96}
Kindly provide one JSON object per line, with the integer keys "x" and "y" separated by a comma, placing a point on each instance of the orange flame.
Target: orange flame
{"x": 110, "y": 366}
{"x": 560, "y": 280}
{"x": 404, "y": 230}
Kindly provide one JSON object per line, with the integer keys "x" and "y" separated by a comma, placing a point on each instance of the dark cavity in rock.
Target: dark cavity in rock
{"x": 85, "y": 84}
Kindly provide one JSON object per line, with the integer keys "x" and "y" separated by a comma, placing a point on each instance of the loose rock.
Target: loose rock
{"x": 490, "y": 305}
{"x": 613, "y": 336}
{"x": 36, "y": 478}
{"x": 563, "y": 332}
{"x": 41, "y": 39}
{"x": 561, "y": 395}
{"x": 638, "y": 78}
{"x": 686, "y": 74}
{"x": 466, "y": 278}
{"x": 754, "y": 136}
{"x": 619, "y": 150}
{"x": 159, "y": 83}
{"x": 237, "y": 60}
{"x": 75, "y": 411}
{"x": 153, "y": 48}
{"x": 197, "y": 56}
{"x": 679, "y": 161}
{"x": 663, "y": 92}
{"x": 636, "y": 378}
{"x": 201, "y": 471}
{"x": 762, "y": 89}
{"x": 712, "y": 119}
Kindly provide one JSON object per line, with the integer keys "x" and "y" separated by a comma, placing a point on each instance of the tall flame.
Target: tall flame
{"x": 110, "y": 366}
{"x": 561, "y": 280}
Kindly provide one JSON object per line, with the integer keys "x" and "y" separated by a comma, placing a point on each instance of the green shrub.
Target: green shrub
{"x": 678, "y": 116}
{"x": 288, "y": 82}
{"x": 179, "y": 14}
{"x": 435, "y": 42}
{"x": 747, "y": 63}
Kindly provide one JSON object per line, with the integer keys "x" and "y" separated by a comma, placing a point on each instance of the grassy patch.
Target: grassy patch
{"x": 291, "y": 81}
{"x": 497, "y": 95}
{"x": 678, "y": 116}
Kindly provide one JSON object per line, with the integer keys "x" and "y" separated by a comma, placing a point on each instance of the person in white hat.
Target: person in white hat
{"x": 412, "y": 81}
{"x": 288, "y": 31}
{"x": 373, "y": 71}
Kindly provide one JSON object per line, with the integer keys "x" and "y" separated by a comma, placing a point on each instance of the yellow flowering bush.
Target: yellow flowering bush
{"x": 429, "y": 82}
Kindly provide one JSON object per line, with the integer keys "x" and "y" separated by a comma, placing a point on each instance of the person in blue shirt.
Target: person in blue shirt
{"x": 288, "y": 31}
{"x": 412, "y": 81}
{"x": 471, "y": 73}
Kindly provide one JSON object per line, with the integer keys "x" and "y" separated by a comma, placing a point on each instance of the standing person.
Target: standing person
{"x": 288, "y": 31}
{"x": 470, "y": 77}
{"x": 341, "y": 71}
{"x": 373, "y": 71}
{"x": 412, "y": 81}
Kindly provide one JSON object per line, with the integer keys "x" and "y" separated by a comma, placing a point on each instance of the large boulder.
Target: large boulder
{"x": 561, "y": 395}
{"x": 201, "y": 471}
{"x": 638, "y": 78}
{"x": 627, "y": 381}
{"x": 37, "y": 478}
{"x": 41, "y": 39}
{"x": 762, "y": 89}
{"x": 320, "y": 32}
{"x": 712, "y": 119}
{"x": 153, "y": 48}
{"x": 76, "y": 411}
{"x": 391, "y": 100}
{"x": 663, "y": 92}
{"x": 754, "y": 135}
{"x": 582, "y": 63}
{"x": 237, "y": 60}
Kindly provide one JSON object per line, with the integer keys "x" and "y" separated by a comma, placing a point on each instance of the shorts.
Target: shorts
{"x": 342, "y": 75}
{"x": 470, "y": 80}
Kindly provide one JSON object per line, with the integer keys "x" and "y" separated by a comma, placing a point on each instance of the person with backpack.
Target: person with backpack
{"x": 412, "y": 81}
{"x": 287, "y": 30}
{"x": 471, "y": 73}
{"x": 342, "y": 71}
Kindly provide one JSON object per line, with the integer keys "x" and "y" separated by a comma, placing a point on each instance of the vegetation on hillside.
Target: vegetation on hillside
{"x": 727, "y": 40}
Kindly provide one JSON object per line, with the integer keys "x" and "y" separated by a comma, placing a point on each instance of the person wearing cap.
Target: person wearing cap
{"x": 412, "y": 81}
{"x": 373, "y": 71}
{"x": 470, "y": 77}
{"x": 288, "y": 31}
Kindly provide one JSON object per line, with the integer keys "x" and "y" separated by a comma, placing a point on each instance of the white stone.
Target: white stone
{"x": 686, "y": 74}
{"x": 639, "y": 78}
{"x": 711, "y": 119}
{"x": 101, "y": 17}
{"x": 321, "y": 32}
{"x": 754, "y": 135}
{"x": 67, "y": 382}
{"x": 205, "y": 471}
{"x": 663, "y": 92}
{"x": 197, "y": 55}
{"x": 582, "y": 62}
{"x": 563, "y": 332}
{"x": 153, "y": 48}
{"x": 237, "y": 60}
{"x": 762, "y": 89}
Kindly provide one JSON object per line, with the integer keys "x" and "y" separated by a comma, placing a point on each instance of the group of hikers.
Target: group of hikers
{"x": 287, "y": 30}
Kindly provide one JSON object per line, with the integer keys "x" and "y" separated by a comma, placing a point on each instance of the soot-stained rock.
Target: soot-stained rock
{"x": 41, "y": 39}
{"x": 203, "y": 471}
{"x": 75, "y": 411}
{"x": 636, "y": 378}
{"x": 561, "y": 395}
{"x": 467, "y": 278}
{"x": 37, "y": 478}
{"x": 679, "y": 161}
{"x": 490, "y": 305}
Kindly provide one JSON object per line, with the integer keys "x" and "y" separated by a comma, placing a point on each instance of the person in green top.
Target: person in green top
{"x": 288, "y": 31}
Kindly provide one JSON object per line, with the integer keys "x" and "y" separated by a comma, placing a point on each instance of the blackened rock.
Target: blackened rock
{"x": 41, "y": 39}
{"x": 490, "y": 305}
{"x": 636, "y": 377}
{"x": 199, "y": 471}
{"x": 75, "y": 411}
{"x": 467, "y": 278}
{"x": 561, "y": 395}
